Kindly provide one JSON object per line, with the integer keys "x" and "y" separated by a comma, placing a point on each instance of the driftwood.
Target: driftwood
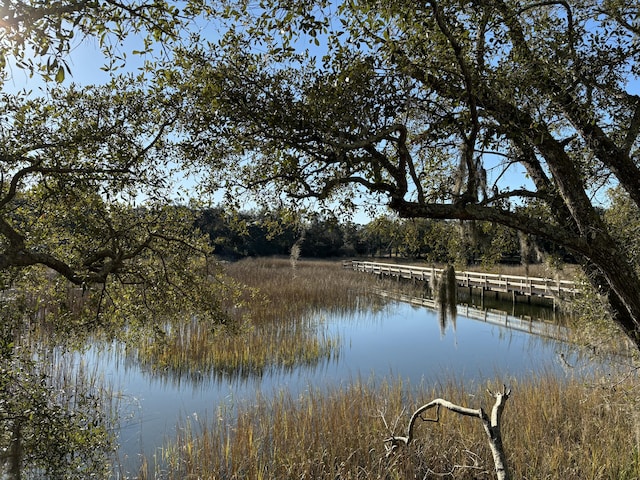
{"x": 491, "y": 426}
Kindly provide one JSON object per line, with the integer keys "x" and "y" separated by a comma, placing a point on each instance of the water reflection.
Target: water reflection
{"x": 535, "y": 325}
{"x": 401, "y": 337}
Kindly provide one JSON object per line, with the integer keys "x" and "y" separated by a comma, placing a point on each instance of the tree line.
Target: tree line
{"x": 262, "y": 233}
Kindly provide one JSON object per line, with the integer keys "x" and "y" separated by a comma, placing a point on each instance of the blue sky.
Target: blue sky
{"x": 86, "y": 62}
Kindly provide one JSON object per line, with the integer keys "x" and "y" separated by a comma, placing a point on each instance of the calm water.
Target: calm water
{"x": 400, "y": 341}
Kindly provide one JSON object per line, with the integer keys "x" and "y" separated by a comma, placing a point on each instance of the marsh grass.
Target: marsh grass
{"x": 551, "y": 429}
{"x": 62, "y": 415}
{"x": 193, "y": 350}
{"x": 312, "y": 286}
{"x": 275, "y": 324}
{"x": 569, "y": 429}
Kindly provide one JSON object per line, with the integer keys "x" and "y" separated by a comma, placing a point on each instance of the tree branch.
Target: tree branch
{"x": 614, "y": 157}
{"x": 459, "y": 211}
{"x": 491, "y": 426}
{"x": 634, "y": 127}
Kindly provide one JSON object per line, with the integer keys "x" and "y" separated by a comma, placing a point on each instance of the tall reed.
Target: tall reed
{"x": 274, "y": 323}
{"x": 551, "y": 429}
{"x": 313, "y": 285}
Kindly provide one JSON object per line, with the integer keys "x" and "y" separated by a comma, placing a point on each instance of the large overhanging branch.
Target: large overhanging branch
{"x": 491, "y": 426}
{"x": 607, "y": 151}
{"x": 28, "y": 258}
{"x": 616, "y": 157}
{"x": 96, "y": 267}
{"x": 309, "y": 174}
{"x": 470, "y": 211}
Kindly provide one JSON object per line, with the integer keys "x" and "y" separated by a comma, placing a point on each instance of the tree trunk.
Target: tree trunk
{"x": 613, "y": 277}
{"x": 10, "y": 458}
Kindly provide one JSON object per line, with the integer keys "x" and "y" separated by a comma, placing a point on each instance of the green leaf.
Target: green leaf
{"x": 60, "y": 74}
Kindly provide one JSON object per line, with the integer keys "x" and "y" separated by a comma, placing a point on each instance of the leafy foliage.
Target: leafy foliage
{"x": 89, "y": 237}
{"x": 38, "y": 36}
{"x": 75, "y": 166}
{"x": 56, "y": 423}
{"x": 448, "y": 109}
{"x": 624, "y": 218}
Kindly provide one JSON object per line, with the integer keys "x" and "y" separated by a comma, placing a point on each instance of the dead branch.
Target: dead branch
{"x": 491, "y": 426}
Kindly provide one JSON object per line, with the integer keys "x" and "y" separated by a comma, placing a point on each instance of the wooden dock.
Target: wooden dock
{"x": 486, "y": 282}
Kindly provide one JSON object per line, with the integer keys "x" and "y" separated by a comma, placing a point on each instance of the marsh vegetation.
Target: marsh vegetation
{"x": 251, "y": 397}
{"x": 272, "y": 323}
{"x": 551, "y": 429}
{"x": 574, "y": 427}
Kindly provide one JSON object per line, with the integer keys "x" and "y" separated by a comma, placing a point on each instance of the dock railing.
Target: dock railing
{"x": 521, "y": 285}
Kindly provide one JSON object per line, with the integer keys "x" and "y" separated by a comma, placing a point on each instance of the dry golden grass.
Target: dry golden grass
{"x": 273, "y": 322}
{"x": 551, "y": 430}
{"x": 290, "y": 292}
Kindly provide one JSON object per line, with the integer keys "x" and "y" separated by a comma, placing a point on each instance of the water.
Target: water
{"x": 401, "y": 341}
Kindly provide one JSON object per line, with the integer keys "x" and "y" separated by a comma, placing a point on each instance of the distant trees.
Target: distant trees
{"x": 246, "y": 234}
{"x": 260, "y": 233}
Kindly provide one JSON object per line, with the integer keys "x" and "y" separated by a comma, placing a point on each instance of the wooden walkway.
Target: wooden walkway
{"x": 487, "y": 282}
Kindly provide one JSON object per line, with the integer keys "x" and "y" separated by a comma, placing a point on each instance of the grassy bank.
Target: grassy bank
{"x": 551, "y": 429}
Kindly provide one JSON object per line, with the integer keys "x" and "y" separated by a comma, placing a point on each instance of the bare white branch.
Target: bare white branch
{"x": 491, "y": 426}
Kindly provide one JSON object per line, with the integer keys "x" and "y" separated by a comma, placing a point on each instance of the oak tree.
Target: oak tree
{"x": 445, "y": 109}
{"x": 90, "y": 233}
{"x": 85, "y": 187}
